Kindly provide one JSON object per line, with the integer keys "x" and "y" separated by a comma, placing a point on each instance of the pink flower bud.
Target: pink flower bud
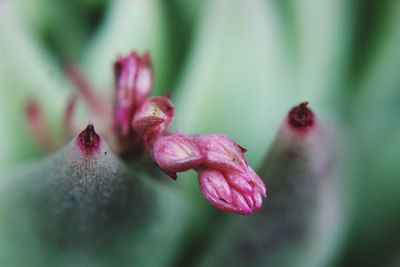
{"x": 221, "y": 152}
{"x": 153, "y": 117}
{"x": 176, "y": 153}
{"x": 216, "y": 190}
{"x": 133, "y": 79}
{"x": 249, "y": 184}
{"x": 232, "y": 191}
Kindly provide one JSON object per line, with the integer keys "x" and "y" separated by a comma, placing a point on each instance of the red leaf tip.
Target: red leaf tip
{"x": 301, "y": 117}
{"x": 88, "y": 140}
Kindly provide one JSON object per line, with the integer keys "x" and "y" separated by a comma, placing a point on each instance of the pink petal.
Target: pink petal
{"x": 249, "y": 199}
{"x": 250, "y": 187}
{"x": 176, "y": 153}
{"x": 257, "y": 181}
{"x": 257, "y": 196}
{"x": 240, "y": 203}
{"x": 144, "y": 80}
{"x": 154, "y": 116}
{"x": 147, "y": 124}
{"x": 221, "y": 152}
{"x": 215, "y": 189}
{"x": 239, "y": 181}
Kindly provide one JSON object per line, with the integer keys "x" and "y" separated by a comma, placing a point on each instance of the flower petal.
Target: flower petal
{"x": 154, "y": 116}
{"x": 221, "y": 152}
{"x": 133, "y": 81}
{"x": 176, "y": 153}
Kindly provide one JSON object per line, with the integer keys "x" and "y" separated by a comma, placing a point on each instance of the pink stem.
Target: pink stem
{"x": 68, "y": 116}
{"x": 76, "y": 76}
{"x": 38, "y": 126}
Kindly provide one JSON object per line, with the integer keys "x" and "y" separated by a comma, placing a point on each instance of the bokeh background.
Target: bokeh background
{"x": 234, "y": 67}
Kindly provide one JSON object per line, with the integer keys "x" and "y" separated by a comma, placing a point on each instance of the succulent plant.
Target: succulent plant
{"x": 102, "y": 102}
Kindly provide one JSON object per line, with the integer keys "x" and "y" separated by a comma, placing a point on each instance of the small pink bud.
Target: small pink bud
{"x": 133, "y": 79}
{"x": 249, "y": 185}
{"x": 221, "y": 152}
{"x": 216, "y": 189}
{"x": 176, "y": 153}
{"x": 232, "y": 191}
{"x": 153, "y": 117}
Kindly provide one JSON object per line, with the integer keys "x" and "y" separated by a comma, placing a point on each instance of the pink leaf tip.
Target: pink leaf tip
{"x": 88, "y": 141}
{"x": 301, "y": 118}
{"x": 176, "y": 153}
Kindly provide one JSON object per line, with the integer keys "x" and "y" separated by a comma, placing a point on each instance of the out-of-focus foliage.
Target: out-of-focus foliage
{"x": 234, "y": 67}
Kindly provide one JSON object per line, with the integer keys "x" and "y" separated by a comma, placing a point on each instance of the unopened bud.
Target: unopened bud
{"x": 221, "y": 152}
{"x": 232, "y": 191}
{"x": 176, "y": 153}
{"x": 153, "y": 117}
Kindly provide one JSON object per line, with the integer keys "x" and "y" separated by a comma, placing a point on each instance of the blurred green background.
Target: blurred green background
{"x": 234, "y": 67}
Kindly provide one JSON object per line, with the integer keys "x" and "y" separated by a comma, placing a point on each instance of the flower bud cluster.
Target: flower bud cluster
{"x": 141, "y": 122}
{"x": 225, "y": 178}
{"x": 137, "y": 118}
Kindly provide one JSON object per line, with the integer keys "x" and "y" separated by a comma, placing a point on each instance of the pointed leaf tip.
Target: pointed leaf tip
{"x": 301, "y": 117}
{"x": 88, "y": 140}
